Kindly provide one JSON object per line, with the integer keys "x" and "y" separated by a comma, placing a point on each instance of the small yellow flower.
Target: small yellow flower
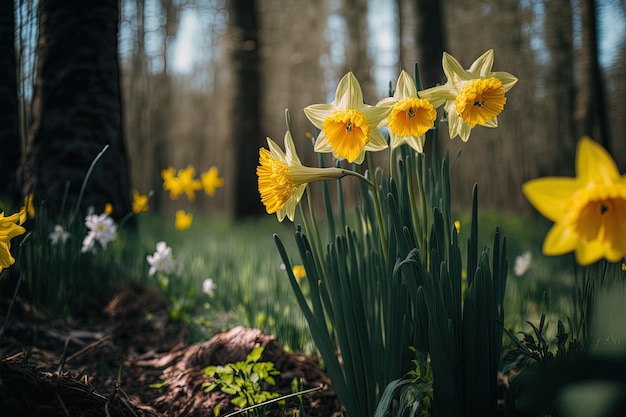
{"x": 283, "y": 178}
{"x": 411, "y": 117}
{"x": 189, "y": 184}
{"x": 108, "y": 209}
{"x": 140, "y": 202}
{"x": 589, "y": 211}
{"x": 299, "y": 271}
{"x": 10, "y": 227}
{"x": 472, "y": 97}
{"x": 184, "y": 182}
{"x": 457, "y": 226}
{"x": 30, "y": 206}
{"x": 183, "y": 220}
{"x": 171, "y": 183}
{"x": 348, "y": 126}
{"x": 211, "y": 181}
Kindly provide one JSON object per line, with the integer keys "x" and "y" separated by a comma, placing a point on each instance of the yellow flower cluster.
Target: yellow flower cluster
{"x": 185, "y": 182}
{"x": 349, "y": 127}
{"x": 10, "y": 227}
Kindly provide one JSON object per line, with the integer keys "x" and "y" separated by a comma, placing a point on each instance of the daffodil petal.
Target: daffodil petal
{"x": 276, "y": 151}
{"x": 491, "y": 123}
{"x": 416, "y": 143}
{"x": 465, "y": 130}
{"x": 321, "y": 144}
{"x": 375, "y": 114}
{"x": 508, "y": 80}
{"x": 349, "y": 94}
{"x": 560, "y": 240}
{"x": 594, "y": 164}
{"x": 317, "y": 113}
{"x": 482, "y": 65}
{"x": 439, "y": 95}
{"x": 548, "y": 195}
{"x": 405, "y": 87}
{"x": 291, "y": 156}
{"x": 453, "y": 69}
{"x": 588, "y": 253}
{"x": 377, "y": 141}
{"x": 387, "y": 102}
{"x": 359, "y": 159}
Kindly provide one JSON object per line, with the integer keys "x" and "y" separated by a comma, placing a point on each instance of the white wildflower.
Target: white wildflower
{"x": 102, "y": 229}
{"x": 208, "y": 287}
{"x": 58, "y": 235}
{"x": 522, "y": 263}
{"x": 162, "y": 260}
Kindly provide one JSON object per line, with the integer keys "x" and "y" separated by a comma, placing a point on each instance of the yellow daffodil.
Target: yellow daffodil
{"x": 283, "y": 178}
{"x": 589, "y": 211}
{"x": 472, "y": 97}
{"x": 183, "y": 220}
{"x": 140, "y": 202}
{"x": 211, "y": 181}
{"x": 30, "y": 205}
{"x": 10, "y": 227}
{"x": 171, "y": 183}
{"x": 410, "y": 118}
{"x": 189, "y": 183}
{"x": 184, "y": 182}
{"x": 348, "y": 126}
{"x": 299, "y": 271}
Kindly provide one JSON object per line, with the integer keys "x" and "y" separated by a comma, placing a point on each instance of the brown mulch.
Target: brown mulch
{"x": 105, "y": 367}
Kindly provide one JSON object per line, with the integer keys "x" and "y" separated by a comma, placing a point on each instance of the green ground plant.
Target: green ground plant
{"x": 243, "y": 380}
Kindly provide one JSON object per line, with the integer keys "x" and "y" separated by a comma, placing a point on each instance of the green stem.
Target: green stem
{"x": 84, "y": 185}
{"x": 313, "y": 232}
{"x": 412, "y": 200}
{"x": 422, "y": 191}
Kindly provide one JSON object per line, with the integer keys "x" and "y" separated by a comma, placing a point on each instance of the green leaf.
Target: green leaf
{"x": 255, "y": 355}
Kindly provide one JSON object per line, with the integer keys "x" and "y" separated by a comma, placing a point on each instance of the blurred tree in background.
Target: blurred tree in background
{"x": 77, "y": 110}
{"x": 193, "y": 95}
{"x": 9, "y": 110}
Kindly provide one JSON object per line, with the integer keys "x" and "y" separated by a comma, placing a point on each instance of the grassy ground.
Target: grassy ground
{"x": 252, "y": 289}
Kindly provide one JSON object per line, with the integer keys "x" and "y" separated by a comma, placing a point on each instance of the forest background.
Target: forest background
{"x": 203, "y": 82}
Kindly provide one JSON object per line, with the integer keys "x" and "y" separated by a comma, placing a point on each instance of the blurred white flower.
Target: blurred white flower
{"x": 102, "y": 229}
{"x": 162, "y": 260}
{"x": 208, "y": 287}
{"x": 522, "y": 263}
{"x": 58, "y": 235}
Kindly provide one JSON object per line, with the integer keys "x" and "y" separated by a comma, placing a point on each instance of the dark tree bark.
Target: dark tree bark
{"x": 245, "y": 113}
{"x": 559, "y": 100}
{"x": 9, "y": 111}
{"x": 591, "y": 112}
{"x": 77, "y": 109}
{"x": 431, "y": 41}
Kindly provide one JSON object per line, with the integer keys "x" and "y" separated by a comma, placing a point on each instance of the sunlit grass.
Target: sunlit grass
{"x": 253, "y": 290}
{"x": 241, "y": 258}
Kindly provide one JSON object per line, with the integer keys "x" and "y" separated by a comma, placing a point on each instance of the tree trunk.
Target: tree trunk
{"x": 77, "y": 110}
{"x": 560, "y": 85}
{"x": 9, "y": 111}
{"x": 591, "y": 119}
{"x": 245, "y": 113}
{"x": 431, "y": 41}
